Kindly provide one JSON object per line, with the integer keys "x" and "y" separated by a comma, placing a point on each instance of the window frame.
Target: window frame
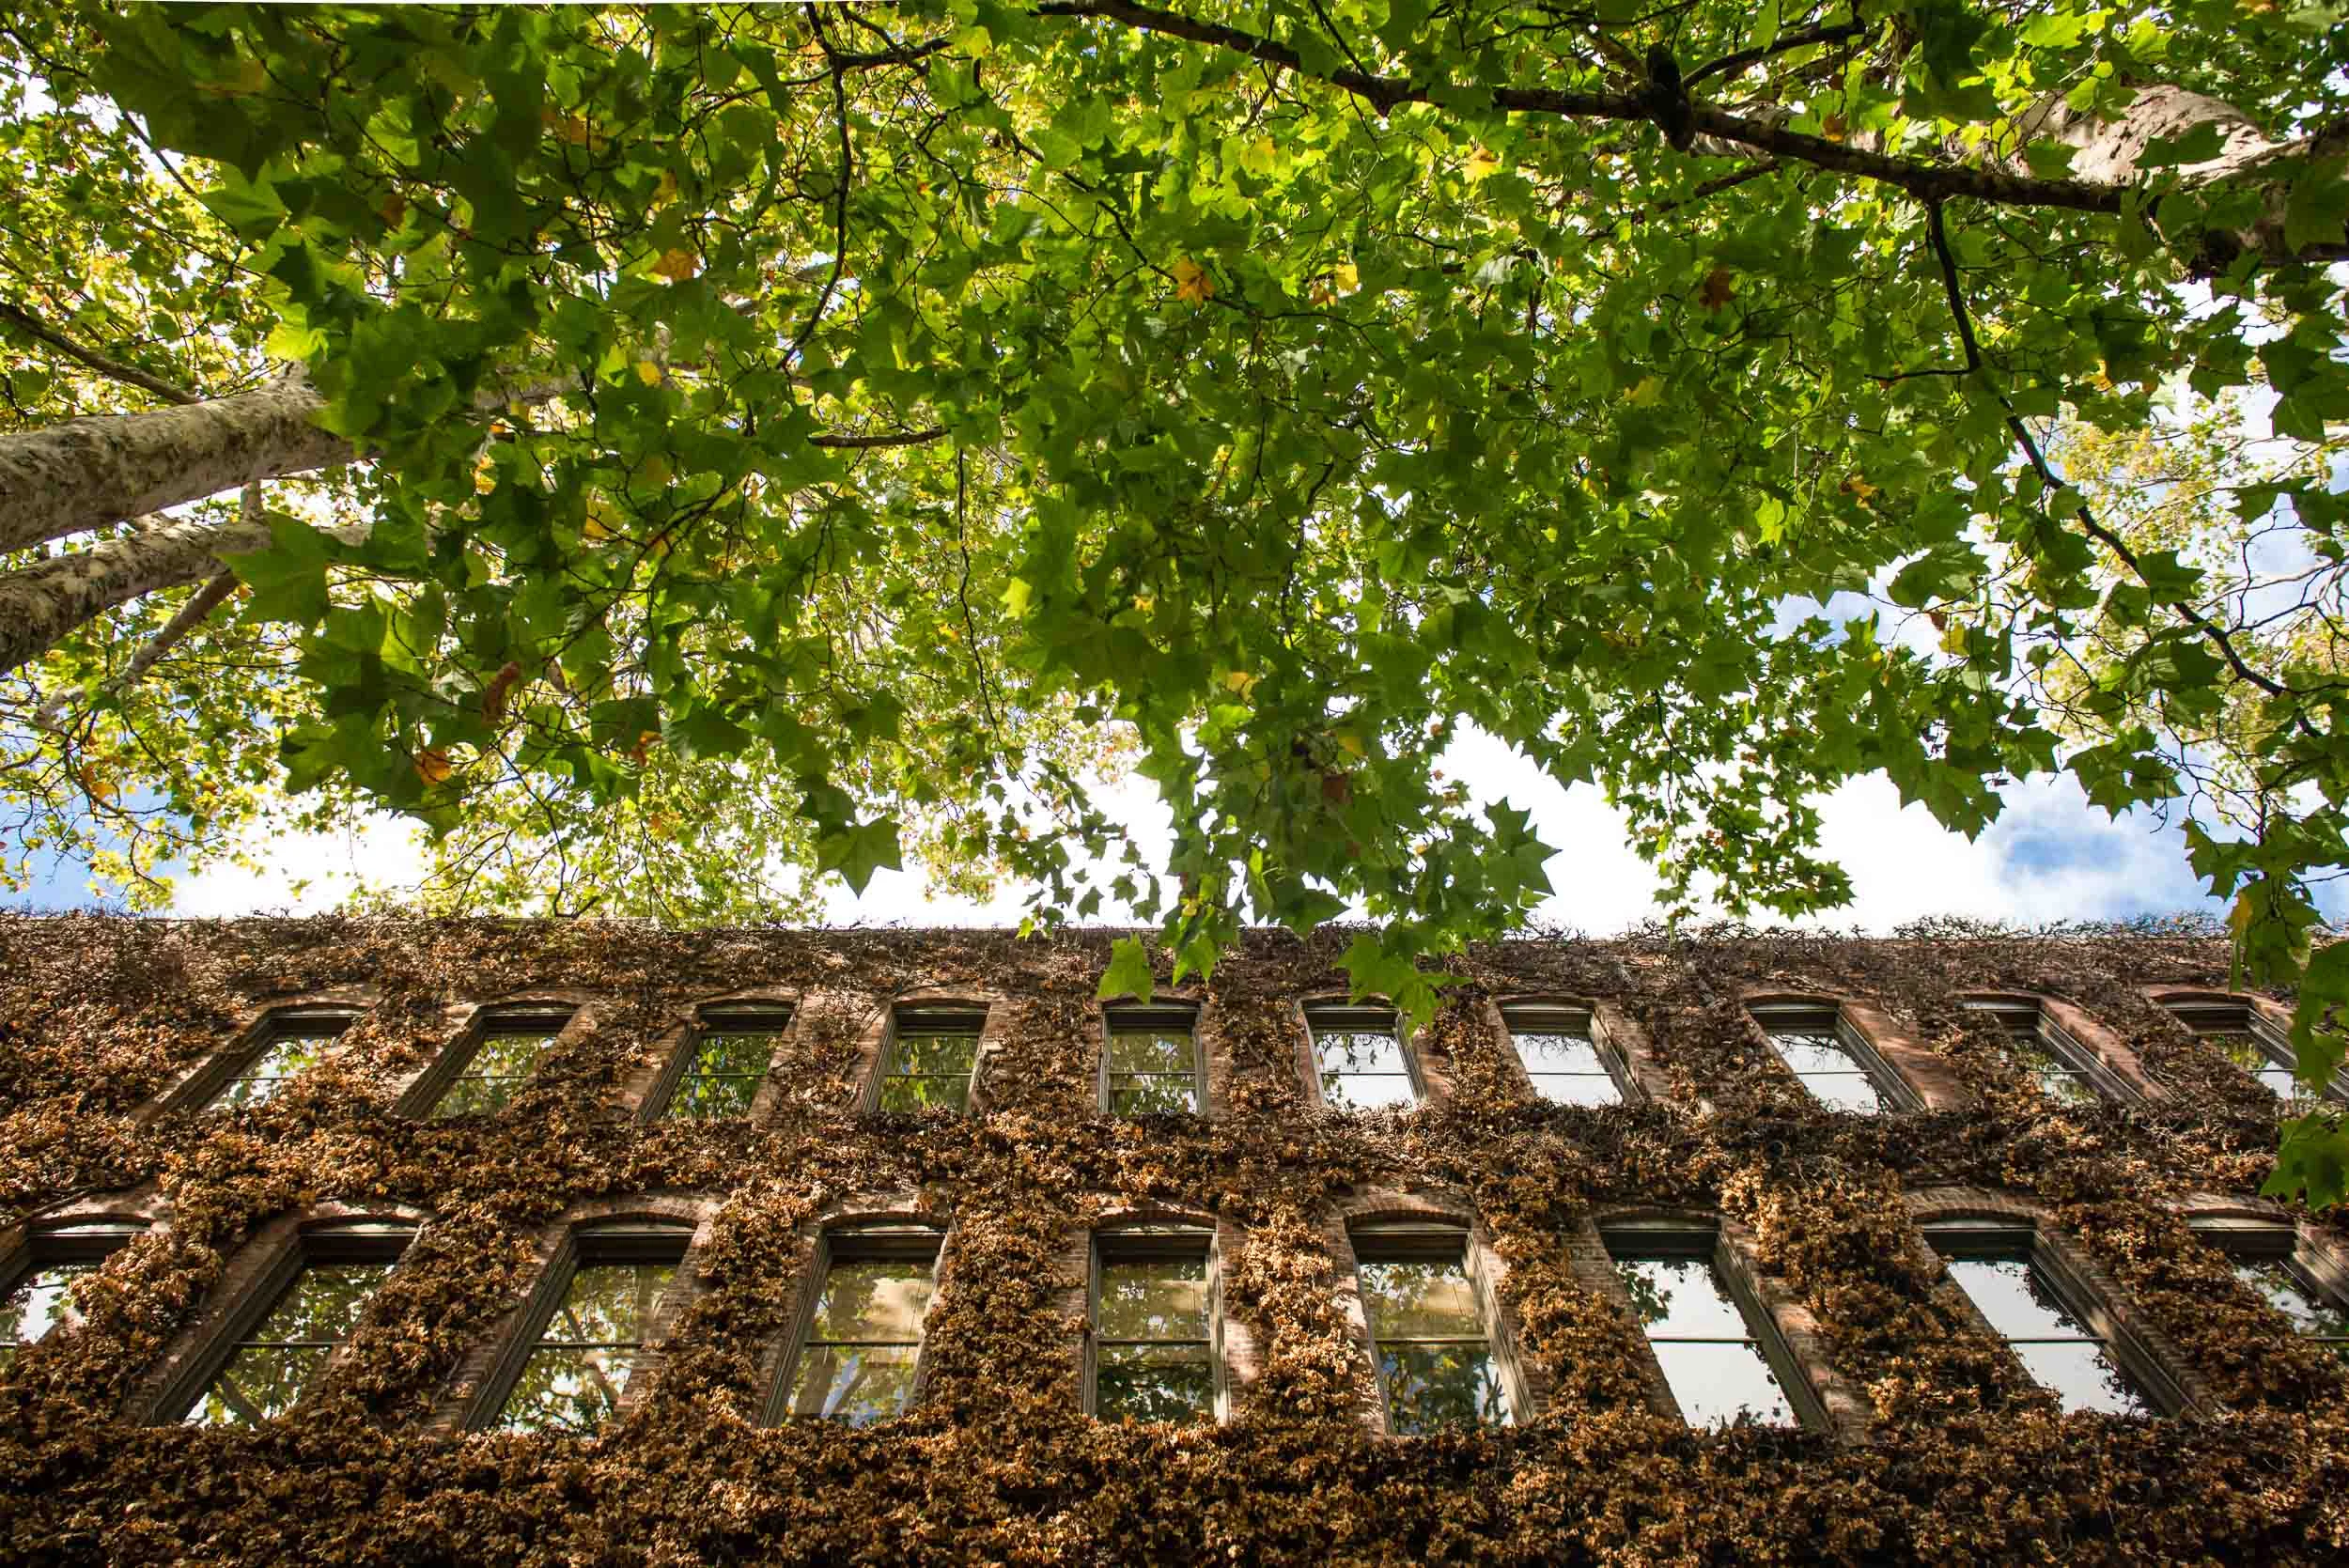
{"x": 619, "y": 1239}
{"x": 1144, "y": 1241}
{"x": 1551, "y": 1015}
{"x": 928, "y": 1017}
{"x": 422, "y": 1100}
{"x": 1648, "y": 1237}
{"x": 2058, "y": 1042}
{"x": 881, "y": 1238}
{"x": 94, "y": 1239}
{"x": 1136, "y": 1018}
{"x": 1958, "y": 1237}
{"x": 357, "y": 1239}
{"x": 1366, "y": 1018}
{"x": 2241, "y": 1239}
{"x": 201, "y": 1093}
{"x": 1434, "y": 1238}
{"x": 1791, "y": 1015}
{"x": 748, "y": 1016}
{"x": 2203, "y": 1016}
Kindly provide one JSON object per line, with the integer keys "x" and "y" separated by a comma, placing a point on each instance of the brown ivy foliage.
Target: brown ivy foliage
{"x": 1966, "y": 1462}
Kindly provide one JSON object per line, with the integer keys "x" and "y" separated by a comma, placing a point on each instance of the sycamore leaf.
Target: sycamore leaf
{"x": 1482, "y": 164}
{"x": 1128, "y": 972}
{"x": 676, "y": 266}
{"x": 432, "y": 765}
{"x": 1193, "y": 282}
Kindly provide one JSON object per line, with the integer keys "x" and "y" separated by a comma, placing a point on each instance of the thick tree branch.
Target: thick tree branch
{"x": 199, "y": 607}
{"x": 130, "y": 375}
{"x": 869, "y": 444}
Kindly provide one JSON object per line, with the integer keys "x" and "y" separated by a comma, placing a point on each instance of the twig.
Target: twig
{"x": 130, "y": 375}
{"x": 1799, "y": 38}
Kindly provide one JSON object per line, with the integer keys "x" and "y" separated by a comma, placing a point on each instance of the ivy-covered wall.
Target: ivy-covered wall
{"x": 1951, "y": 1457}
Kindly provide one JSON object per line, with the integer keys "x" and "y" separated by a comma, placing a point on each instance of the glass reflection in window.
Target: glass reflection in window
{"x": 1709, "y": 1350}
{"x": 38, "y": 1302}
{"x": 572, "y": 1380}
{"x": 279, "y": 1360}
{"x": 1817, "y": 1054}
{"x": 292, "y": 1049}
{"x": 505, "y": 1059}
{"x": 1362, "y": 1063}
{"x": 1562, "y": 1061}
{"x": 1151, "y": 1070}
{"x": 2053, "y": 1341}
{"x": 730, "y": 1062}
{"x": 930, "y": 1064}
{"x": 1154, "y": 1343}
{"x": 1434, "y": 1355}
{"x": 863, "y": 1342}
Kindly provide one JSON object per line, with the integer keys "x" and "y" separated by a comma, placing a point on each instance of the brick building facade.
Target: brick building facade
{"x": 396, "y": 1241}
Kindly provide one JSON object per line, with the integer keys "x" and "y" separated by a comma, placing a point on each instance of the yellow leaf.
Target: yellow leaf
{"x": 432, "y": 765}
{"x": 600, "y": 518}
{"x": 647, "y": 372}
{"x": 101, "y": 788}
{"x": 665, "y": 192}
{"x": 1833, "y": 128}
{"x": 676, "y": 266}
{"x": 1193, "y": 282}
{"x": 1347, "y": 278}
{"x": 1482, "y": 164}
{"x": 485, "y": 475}
{"x": 1241, "y": 681}
{"x": 1350, "y": 744}
{"x": 1257, "y": 156}
{"x": 1649, "y": 392}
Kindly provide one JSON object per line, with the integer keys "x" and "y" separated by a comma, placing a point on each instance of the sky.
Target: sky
{"x": 2050, "y": 857}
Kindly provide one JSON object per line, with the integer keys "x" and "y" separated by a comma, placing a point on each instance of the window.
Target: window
{"x": 266, "y": 1364}
{"x": 860, "y": 1358}
{"x": 288, "y": 1046}
{"x": 1156, "y": 1349}
{"x": 931, "y": 1059}
{"x": 586, "y": 1337}
{"x": 1431, "y": 1340}
{"x": 1150, "y": 1063}
{"x": 2021, "y": 1292}
{"x": 503, "y": 1056}
{"x": 2246, "y": 1038}
{"x": 1839, "y": 1067}
{"x": 2066, "y": 1071}
{"x": 723, "y": 1063}
{"x": 1361, "y": 1062}
{"x": 1563, "y": 1059}
{"x": 2270, "y": 1260}
{"x": 39, "y": 1292}
{"x": 1718, "y": 1351}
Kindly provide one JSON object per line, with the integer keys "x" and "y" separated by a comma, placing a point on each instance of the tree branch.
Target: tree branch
{"x": 130, "y": 375}
{"x": 867, "y": 443}
{"x": 1730, "y": 65}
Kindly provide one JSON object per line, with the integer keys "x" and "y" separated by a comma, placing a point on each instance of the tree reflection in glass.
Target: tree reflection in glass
{"x": 1435, "y": 1365}
{"x": 2059, "y": 1351}
{"x": 1362, "y": 1070}
{"x": 1564, "y": 1066}
{"x": 2313, "y": 1314}
{"x": 2244, "y": 1048}
{"x": 290, "y": 1052}
{"x": 723, "y": 1075}
{"x": 930, "y": 1067}
{"x": 1710, "y": 1354}
{"x": 595, "y": 1340}
{"x": 278, "y": 1362}
{"x": 1153, "y": 1346}
{"x": 1151, "y": 1071}
{"x": 505, "y": 1059}
{"x": 864, "y": 1340}
{"x": 1827, "y": 1068}
{"x": 41, "y": 1301}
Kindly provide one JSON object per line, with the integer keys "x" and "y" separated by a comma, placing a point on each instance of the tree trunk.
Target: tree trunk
{"x": 42, "y": 603}
{"x": 88, "y": 474}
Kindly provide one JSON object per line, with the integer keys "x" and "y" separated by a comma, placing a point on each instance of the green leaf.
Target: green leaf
{"x": 864, "y": 849}
{"x": 1128, "y": 972}
{"x": 288, "y": 575}
{"x": 2317, "y": 211}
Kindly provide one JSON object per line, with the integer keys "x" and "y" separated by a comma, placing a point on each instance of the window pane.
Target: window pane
{"x": 934, "y": 1054}
{"x": 1550, "y": 1051}
{"x": 877, "y": 1298}
{"x": 2083, "y": 1375}
{"x": 739, "y": 1053}
{"x": 2057, "y": 1079}
{"x": 610, "y": 1303}
{"x": 563, "y": 1390}
{"x": 1156, "y": 1301}
{"x": 1844, "y": 1091}
{"x": 2015, "y": 1299}
{"x": 474, "y": 1096}
{"x": 1154, "y": 1382}
{"x": 1719, "y": 1384}
{"x": 1682, "y": 1296}
{"x": 38, "y": 1303}
{"x": 510, "y": 1055}
{"x": 1812, "y": 1051}
{"x": 259, "y": 1382}
{"x": 1433, "y": 1385}
{"x": 1358, "y": 1051}
{"x": 2278, "y": 1081}
{"x": 701, "y": 1099}
{"x": 856, "y": 1383}
{"x": 1152, "y": 1094}
{"x": 925, "y": 1093}
{"x": 1420, "y": 1300}
{"x": 1366, "y": 1091}
{"x": 324, "y": 1303}
{"x": 1576, "y": 1088}
{"x": 1151, "y": 1051}
{"x": 2288, "y": 1293}
{"x": 285, "y": 1056}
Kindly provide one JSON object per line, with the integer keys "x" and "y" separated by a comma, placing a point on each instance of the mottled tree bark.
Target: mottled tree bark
{"x": 86, "y": 473}
{"x": 42, "y": 603}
